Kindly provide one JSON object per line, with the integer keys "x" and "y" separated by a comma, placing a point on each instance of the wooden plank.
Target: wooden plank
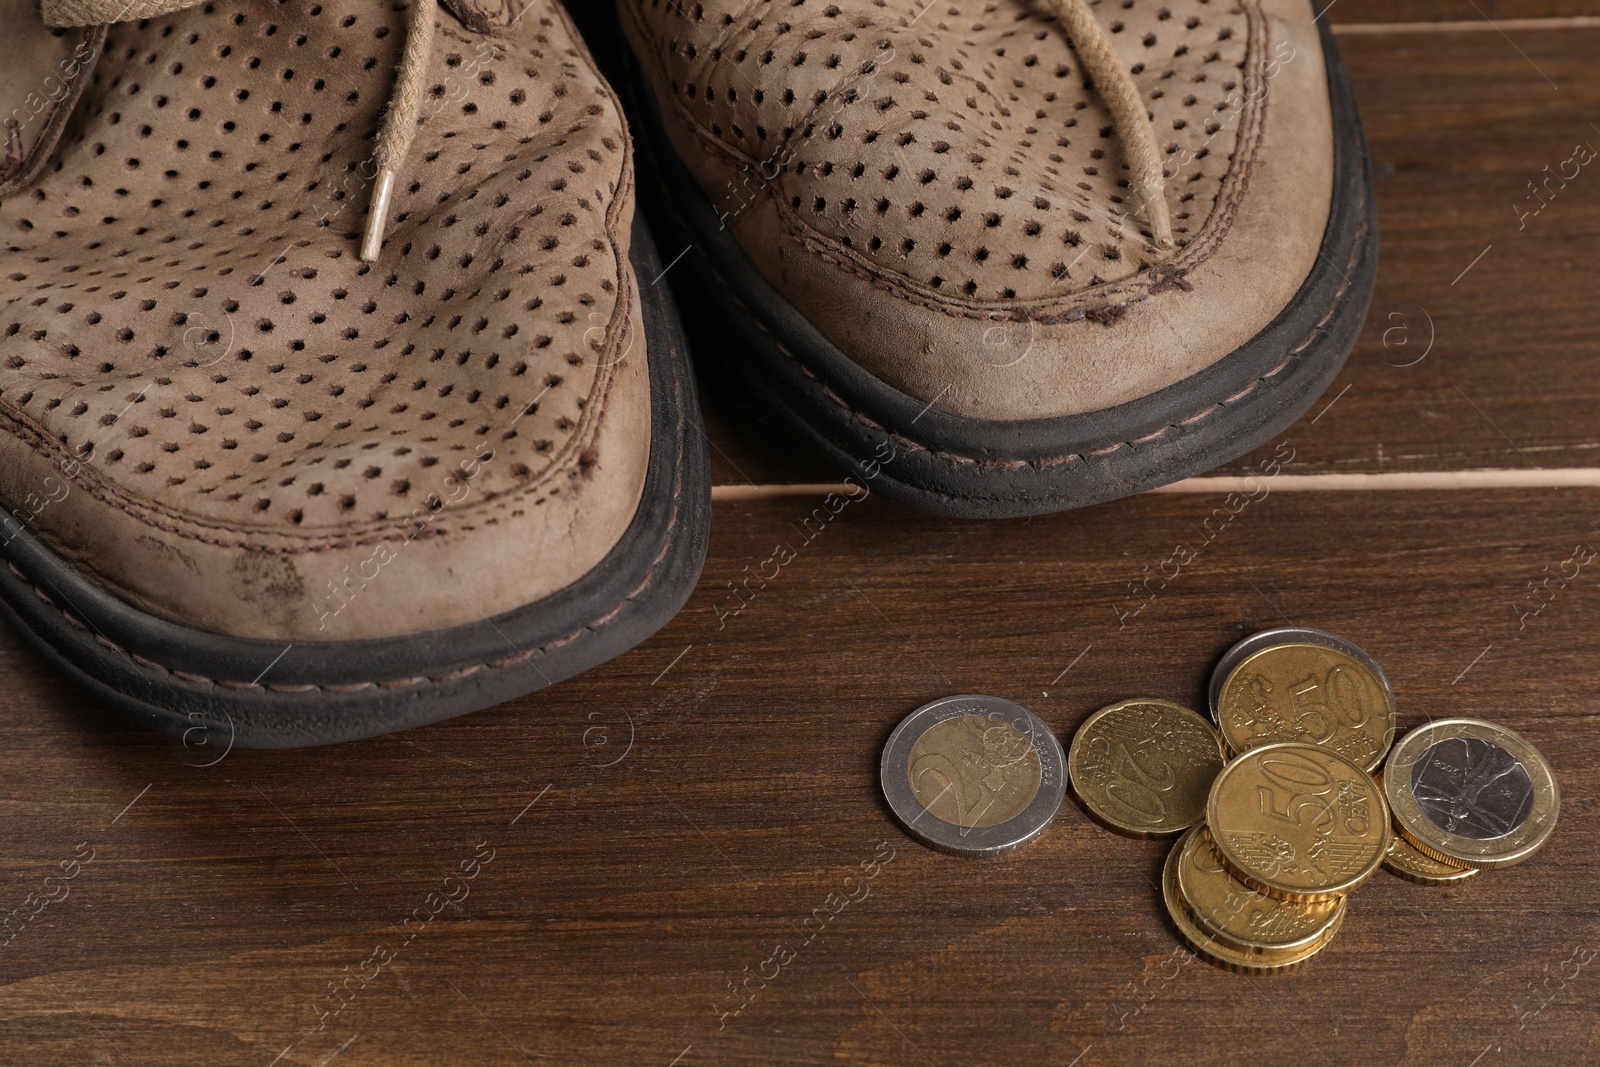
{"x": 1465, "y": 362}
{"x": 693, "y": 801}
{"x": 1506, "y": 14}
{"x": 661, "y": 823}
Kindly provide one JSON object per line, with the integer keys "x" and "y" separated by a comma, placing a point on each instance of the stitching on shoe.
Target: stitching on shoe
{"x": 1106, "y": 304}
{"x": 92, "y": 40}
{"x": 233, "y": 527}
{"x": 107, "y": 494}
{"x": 1114, "y": 299}
{"x": 1048, "y": 461}
{"x": 412, "y": 682}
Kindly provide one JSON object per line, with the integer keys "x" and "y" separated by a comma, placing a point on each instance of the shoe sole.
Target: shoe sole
{"x": 977, "y": 468}
{"x": 219, "y": 692}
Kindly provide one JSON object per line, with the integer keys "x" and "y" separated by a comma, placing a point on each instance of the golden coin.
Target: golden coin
{"x": 972, "y": 756}
{"x": 1308, "y": 692}
{"x": 1218, "y": 951}
{"x": 1242, "y": 917}
{"x": 1145, "y": 766}
{"x": 1298, "y": 821}
{"x": 1471, "y": 793}
{"x": 1405, "y": 860}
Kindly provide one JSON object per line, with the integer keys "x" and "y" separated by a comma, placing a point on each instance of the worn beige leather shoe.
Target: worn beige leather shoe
{"x": 1043, "y": 252}
{"x": 331, "y": 403}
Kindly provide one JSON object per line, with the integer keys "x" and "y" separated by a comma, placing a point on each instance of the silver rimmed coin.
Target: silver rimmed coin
{"x": 1283, "y": 635}
{"x": 973, "y": 775}
{"x": 1407, "y": 861}
{"x": 1471, "y": 793}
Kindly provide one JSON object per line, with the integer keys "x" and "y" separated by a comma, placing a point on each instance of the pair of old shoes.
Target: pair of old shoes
{"x": 341, "y": 387}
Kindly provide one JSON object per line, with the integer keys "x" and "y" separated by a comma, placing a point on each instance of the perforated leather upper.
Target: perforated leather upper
{"x": 957, "y": 147}
{"x": 184, "y": 306}
{"x": 940, "y": 193}
{"x": 184, "y": 312}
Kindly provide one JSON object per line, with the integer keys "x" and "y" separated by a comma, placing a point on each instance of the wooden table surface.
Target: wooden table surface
{"x": 650, "y": 835}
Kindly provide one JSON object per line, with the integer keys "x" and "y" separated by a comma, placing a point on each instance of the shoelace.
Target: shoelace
{"x": 1114, "y": 81}
{"x": 1100, "y": 58}
{"x": 400, "y": 117}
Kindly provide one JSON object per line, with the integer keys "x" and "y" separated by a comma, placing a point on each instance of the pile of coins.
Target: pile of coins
{"x": 1305, "y": 808}
{"x": 1283, "y": 804}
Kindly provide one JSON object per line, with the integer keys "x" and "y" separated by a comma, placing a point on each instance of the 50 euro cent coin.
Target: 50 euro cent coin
{"x": 1298, "y": 821}
{"x": 1234, "y": 926}
{"x": 1301, "y": 684}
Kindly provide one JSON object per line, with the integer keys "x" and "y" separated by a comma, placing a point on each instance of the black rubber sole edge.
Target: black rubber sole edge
{"x": 223, "y": 692}
{"x": 974, "y": 468}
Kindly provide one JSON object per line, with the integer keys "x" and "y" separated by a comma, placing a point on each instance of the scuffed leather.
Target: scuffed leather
{"x": 988, "y": 326}
{"x": 260, "y": 435}
{"x": 42, "y": 74}
{"x": 489, "y": 16}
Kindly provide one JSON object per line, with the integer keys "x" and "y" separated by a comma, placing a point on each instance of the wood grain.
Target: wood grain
{"x": 1507, "y": 14}
{"x": 616, "y": 909}
{"x": 661, "y": 823}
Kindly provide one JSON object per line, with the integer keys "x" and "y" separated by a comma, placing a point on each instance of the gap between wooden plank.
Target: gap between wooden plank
{"x": 1555, "y": 478}
{"x": 1484, "y": 25}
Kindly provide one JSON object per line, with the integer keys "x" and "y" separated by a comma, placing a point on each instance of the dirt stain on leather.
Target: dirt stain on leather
{"x": 271, "y": 584}
{"x": 167, "y": 551}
